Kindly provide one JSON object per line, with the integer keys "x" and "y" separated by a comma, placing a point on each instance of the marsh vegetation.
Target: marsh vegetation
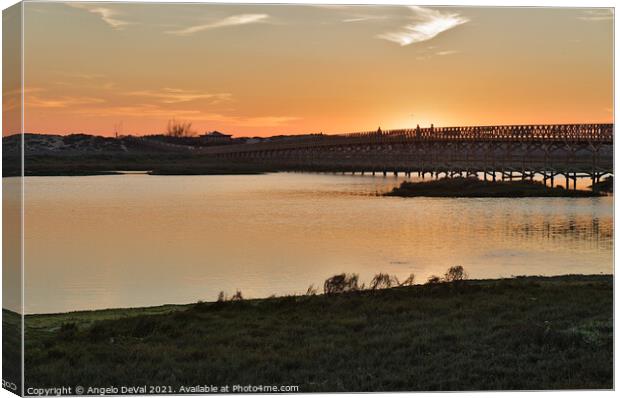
{"x": 450, "y": 334}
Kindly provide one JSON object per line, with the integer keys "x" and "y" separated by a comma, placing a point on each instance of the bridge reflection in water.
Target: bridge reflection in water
{"x": 570, "y": 151}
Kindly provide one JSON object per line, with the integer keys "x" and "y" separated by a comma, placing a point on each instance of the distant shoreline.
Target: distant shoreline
{"x": 153, "y": 172}
{"x": 461, "y": 187}
{"x": 171, "y": 171}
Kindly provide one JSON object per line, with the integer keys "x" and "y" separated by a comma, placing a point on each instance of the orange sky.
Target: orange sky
{"x": 262, "y": 70}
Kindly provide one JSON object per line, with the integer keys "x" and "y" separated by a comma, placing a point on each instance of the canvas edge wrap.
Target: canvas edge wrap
{"x": 12, "y": 201}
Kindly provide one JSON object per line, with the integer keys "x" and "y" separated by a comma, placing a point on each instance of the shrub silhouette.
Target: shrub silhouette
{"x": 237, "y": 296}
{"x": 341, "y": 283}
{"x": 409, "y": 281}
{"x": 312, "y": 291}
{"x": 179, "y": 129}
{"x": 383, "y": 281}
{"x": 455, "y": 274}
{"x": 221, "y": 297}
{"x": 434, "y": 279}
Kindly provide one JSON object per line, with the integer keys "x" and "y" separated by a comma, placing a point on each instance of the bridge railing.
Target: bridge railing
{"x": 571, "y": 132}
{"x": 596, "y": 133}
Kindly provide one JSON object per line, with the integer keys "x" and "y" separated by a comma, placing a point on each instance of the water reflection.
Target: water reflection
{"x": 135, "y": 240}
{"x": 573, "y": 230}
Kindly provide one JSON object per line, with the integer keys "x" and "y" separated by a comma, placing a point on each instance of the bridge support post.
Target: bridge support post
{"x": 574, "y": 181}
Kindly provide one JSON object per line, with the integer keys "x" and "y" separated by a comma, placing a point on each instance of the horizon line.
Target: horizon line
{"x": 321, "y": 133}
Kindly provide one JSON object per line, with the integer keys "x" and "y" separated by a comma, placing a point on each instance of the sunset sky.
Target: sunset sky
{"x": 263, "y": 70}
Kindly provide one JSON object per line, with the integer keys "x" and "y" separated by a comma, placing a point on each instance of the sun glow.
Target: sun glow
{"x": 242, "y": 71}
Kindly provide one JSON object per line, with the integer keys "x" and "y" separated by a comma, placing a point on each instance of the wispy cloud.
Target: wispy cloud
{"x": 432, "y": 53}
{"x": 363, "y": 18}
{"x": 447, "y": 52}
{"x": 139, "y": 110}
{"x": 36, "y": 101}
{"x": 107, "y": 15}
{"x": 37, "y": 97}
{"x": 426, "y": 23}
{"x": 12, "y": 99}
{"x": 233, "y": 20}
{"x": 265, "y": 121}
{"x": 600, "y": 14}
{"x": 88, "y": 76}
{"x": 94, "y": 81}
{"x": 18, "y": 91}
{"x": 174, "y": 95}
{"x": 194, "y": 115}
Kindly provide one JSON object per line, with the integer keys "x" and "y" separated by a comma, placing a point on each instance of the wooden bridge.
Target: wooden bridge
{"x": 506, "y": 152}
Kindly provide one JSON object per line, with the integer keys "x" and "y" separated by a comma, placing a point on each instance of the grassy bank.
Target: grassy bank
{"x": 523, "y": 333}
{"x": 11, "y": 349}
{"x": 475, "y": 188}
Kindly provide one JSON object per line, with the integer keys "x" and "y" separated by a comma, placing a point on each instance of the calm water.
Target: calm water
{"x": 139, "y": 240}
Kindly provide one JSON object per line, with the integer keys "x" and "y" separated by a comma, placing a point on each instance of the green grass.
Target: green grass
{"x": 475, "y": 188}
{"x": 82, "y": 319}
{"x": 523, "y": 333}
{"x": 11, "y": 348}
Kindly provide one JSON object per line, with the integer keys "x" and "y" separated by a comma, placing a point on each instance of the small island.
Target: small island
{"x": 474, "y": 188}
{"x": 605, "y": 186}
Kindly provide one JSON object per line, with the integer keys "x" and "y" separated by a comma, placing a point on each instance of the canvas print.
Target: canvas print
{"x": 221, "y": 198}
